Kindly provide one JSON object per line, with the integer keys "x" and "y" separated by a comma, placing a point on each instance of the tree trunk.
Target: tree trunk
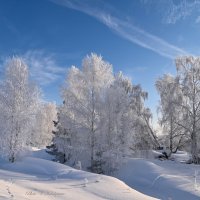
{"x": 92, "y": 130}
{"x": 194, "y": 152}
{"x": 171, "y": 136}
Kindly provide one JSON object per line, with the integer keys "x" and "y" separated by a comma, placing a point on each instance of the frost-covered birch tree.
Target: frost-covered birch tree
{"x": 82, "y": 96}
{"x": 188, "y": 72}
{"x": 101, "y": 117}
{"x": 122, "y": 122}
{"x": 171, "y": 113}
{"x": 42, "y": 131}
{"x": 181, "y": 102}
{"x": 19, "y": 100}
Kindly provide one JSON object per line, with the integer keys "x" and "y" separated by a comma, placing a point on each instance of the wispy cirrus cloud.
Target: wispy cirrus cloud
{"x": 173, "y": 11}
{"x": 181, "y": 10}
{"x": 43, "y": 67}
{"x": 125, "y": 29}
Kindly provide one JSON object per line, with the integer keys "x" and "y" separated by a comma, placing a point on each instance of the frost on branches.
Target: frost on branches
{"x": 20, "y": 107}
{"x": 102, "y": 116}
{"x": 180, "y": 105}
{"x": 42, "y": 131}
{"x": 171, "y": 113}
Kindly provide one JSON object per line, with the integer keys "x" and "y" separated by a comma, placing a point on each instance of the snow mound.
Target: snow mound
{"x": 162, "y": 179}
{"x": 181, "y": 156}
{"x": 35, "y": 178}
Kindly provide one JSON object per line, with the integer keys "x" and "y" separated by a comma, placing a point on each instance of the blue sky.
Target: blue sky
{"x": 141, "y": 37}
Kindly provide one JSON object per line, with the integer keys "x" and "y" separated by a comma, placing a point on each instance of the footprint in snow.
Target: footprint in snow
{"x": 9, "y": 192}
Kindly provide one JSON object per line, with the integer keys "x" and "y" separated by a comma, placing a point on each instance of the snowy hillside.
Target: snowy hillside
{"x": 35, "y": 178}
{"x": 163, "y": 179}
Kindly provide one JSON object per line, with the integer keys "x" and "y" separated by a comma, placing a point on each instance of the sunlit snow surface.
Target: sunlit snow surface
{"x": 35, "y": 178}
{"x": 170, "y": 180}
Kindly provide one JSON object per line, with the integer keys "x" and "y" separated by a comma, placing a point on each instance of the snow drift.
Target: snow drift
{"x": 35, "y": 178}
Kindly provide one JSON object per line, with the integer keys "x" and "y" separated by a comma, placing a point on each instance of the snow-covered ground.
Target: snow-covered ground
{"x": 35, "y": 178}
{"x": 163, "y": 179}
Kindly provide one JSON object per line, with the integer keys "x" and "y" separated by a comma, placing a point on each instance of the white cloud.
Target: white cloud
{"x": 43, "y": 67}
{"x": 173, "y": 10}
{"x": 181, "y": 10}
{"x": 124, "y": 28}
